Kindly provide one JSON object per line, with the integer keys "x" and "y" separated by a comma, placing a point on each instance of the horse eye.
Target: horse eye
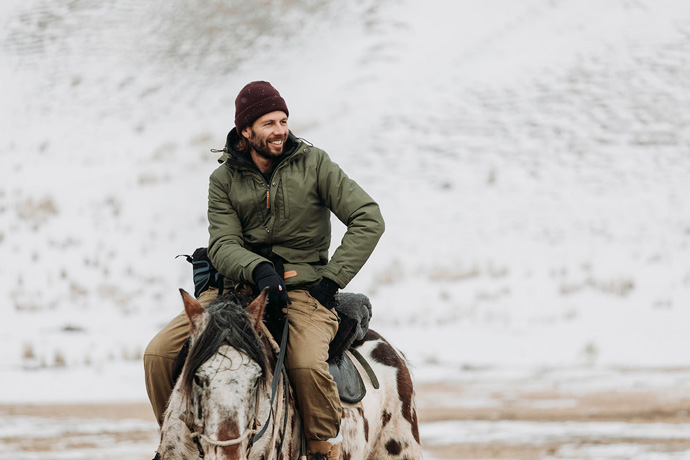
{"x": 198, "y": 380}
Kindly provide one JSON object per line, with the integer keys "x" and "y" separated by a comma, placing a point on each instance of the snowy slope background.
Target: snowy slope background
{"x": 531, "y": 159}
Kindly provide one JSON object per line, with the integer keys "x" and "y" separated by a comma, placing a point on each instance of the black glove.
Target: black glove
{"x": 265, "y": 276}
{"x": 324, "y": 292}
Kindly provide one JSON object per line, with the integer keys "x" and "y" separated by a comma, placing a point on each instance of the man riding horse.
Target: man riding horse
{"x": 269, "y": 208}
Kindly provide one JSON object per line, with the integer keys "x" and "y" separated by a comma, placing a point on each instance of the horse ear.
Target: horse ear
{"x": 192, "y": 307}
{"x": 255, "y": 310}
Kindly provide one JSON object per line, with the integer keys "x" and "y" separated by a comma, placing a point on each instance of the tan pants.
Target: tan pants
{"x": 311, "y": 329}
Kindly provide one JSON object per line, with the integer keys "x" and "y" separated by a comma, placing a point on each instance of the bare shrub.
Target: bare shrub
{"x": 132, "y": 355}
{"x": 619, "y": 287}
{"x": 59, "y": 359}
{"x": 28, "y": 352}
{"x": 453, "y": 273}
{"x": 391, "y": 273}
{"x": 615, "y": 286}
{"x": 37, "y": 212}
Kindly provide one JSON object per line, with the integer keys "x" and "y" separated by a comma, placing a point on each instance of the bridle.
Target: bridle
{"x": 279, "y": 350}
{"x": 196, "y": 435}
{"x": 231, "y": 442}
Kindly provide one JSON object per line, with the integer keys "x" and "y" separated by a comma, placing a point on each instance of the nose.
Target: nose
{"x": 280, "y": 129}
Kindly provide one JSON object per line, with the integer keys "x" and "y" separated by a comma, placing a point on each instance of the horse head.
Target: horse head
{"x": 213, "y": 407}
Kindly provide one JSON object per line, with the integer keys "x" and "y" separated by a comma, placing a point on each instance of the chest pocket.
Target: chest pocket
{"x": 298, "y": 195}
{"x": 248, "y": 196}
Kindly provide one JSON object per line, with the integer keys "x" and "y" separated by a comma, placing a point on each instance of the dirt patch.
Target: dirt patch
{"x": 644, "y": 406}
{"x": 531, "y": 452}
{"x": 515, "y": 421}
{"x": 111, "y": 411}
{"x": 458, "y": 421}
{"x": 106, "y": 431}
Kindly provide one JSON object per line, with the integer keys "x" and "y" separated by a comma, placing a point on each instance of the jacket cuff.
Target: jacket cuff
{"x": 248, "y": 271}
{"x": 331, "y": 271}
{"x": 329, "y": 285}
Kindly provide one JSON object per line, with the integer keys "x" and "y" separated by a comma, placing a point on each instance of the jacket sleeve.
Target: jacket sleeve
{"x": 226, "y": 243}
{"x": 358, "y": 211}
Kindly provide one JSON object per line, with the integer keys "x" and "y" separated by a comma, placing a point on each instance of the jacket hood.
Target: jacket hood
{"x": 230, "y": 155}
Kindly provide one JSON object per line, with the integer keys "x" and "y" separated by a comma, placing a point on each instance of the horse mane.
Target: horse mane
{"x": 228, "y": 323}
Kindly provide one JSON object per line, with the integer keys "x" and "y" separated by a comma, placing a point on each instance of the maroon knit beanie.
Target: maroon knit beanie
{"x": 255, "y": 100}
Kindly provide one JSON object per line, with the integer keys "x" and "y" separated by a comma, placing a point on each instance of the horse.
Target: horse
{"x": 224, "y": 396}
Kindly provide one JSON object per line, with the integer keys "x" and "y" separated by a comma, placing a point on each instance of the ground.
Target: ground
{"x": 487, "y": 417}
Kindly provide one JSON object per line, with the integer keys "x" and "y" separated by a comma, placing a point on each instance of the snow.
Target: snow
{"x": 530, "y": 159}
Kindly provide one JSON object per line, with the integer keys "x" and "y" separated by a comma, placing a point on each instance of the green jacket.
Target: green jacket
{"x": 252, "y": 221}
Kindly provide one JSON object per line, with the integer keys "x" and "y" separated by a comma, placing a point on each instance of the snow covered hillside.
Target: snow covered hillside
{"x": 531, "y": 160}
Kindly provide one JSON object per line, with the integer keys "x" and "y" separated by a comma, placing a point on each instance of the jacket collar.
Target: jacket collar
{"x": 233, "y": 157}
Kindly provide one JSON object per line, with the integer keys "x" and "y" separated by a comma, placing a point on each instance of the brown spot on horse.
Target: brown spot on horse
{"x": 385, "y": 354}
{"x": 228, "y": 429}
{"x": 366, "y": 423}
{"x": 385, "y": 418}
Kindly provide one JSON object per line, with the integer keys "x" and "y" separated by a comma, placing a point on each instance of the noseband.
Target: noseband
{"x": 231, "y": 442}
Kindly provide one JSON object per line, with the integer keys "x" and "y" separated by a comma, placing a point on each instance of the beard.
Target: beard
{"x": 263, "y": 148}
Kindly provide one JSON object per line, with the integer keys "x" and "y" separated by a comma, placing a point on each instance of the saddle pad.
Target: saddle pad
{"x": 350, "y": 384}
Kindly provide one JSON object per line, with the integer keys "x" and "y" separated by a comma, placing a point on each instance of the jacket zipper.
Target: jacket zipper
{"x": 268, "y": 185}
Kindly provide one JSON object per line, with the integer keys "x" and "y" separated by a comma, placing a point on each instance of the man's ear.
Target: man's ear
{"x": 247, "y": 132}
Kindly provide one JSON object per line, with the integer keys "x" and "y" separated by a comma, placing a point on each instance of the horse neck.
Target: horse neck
{"x": 265, "y": 447}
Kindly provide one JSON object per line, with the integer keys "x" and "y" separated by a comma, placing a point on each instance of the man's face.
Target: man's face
{"x": 267, "y": 135}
